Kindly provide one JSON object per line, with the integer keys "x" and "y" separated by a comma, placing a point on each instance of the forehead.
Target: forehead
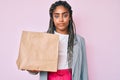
{"x": 60, "y": 9}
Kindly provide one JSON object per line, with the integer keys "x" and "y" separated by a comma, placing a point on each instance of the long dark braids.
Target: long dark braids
{"x": 71, "y": 27}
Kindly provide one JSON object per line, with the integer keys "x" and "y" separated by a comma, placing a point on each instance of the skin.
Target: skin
{"x": 61, "y": 19}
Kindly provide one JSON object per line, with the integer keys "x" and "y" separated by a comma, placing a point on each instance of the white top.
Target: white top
{"x": 62, "y": 51}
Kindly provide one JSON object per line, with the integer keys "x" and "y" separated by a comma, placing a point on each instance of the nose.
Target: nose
{"x": 61, "y": 19}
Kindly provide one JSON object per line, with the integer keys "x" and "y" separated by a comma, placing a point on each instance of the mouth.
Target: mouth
{"x": 61, "y": 24}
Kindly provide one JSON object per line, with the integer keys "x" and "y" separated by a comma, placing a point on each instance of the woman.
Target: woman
{"x": 72, "y": 63}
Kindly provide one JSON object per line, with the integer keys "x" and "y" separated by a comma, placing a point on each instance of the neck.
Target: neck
{"x": 62, "y": 32}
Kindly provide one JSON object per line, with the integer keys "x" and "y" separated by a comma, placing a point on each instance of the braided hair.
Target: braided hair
{"x": 71, "y": 27}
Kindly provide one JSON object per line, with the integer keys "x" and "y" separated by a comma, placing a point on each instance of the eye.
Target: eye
{"x": 56, "y": 16}
{"x": 65, "y": 15}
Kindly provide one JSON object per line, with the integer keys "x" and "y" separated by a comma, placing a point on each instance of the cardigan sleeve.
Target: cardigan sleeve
{"x": 84, "y": 68}
{"x": 43, "y": 75}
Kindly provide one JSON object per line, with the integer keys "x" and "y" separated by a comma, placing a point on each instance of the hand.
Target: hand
{"x": 33, "y": 71}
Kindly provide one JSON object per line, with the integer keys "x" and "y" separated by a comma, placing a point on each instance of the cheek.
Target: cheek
{"x": 67, "y": 21}
{"x": 55, "y": 22}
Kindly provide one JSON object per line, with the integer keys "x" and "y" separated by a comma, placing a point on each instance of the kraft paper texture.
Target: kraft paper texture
{"x": 38, "y": 51}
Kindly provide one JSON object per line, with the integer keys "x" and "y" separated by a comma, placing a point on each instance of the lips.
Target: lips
{"x": 61, "y": 24}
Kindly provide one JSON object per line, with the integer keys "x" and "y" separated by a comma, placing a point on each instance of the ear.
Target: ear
{"x": 69, "y": 18}
{"x": 51, "y": 18}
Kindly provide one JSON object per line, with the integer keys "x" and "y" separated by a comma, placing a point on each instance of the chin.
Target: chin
{"x": 61, "y": 29}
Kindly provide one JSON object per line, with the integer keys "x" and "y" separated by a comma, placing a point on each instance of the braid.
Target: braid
{"x": 71, "y": 27}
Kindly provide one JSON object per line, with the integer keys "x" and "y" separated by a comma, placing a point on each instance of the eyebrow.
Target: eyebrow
{"x": 61, "y": 13}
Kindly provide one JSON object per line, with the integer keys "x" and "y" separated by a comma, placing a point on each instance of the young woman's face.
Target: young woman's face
{"x": 61, "y": 19}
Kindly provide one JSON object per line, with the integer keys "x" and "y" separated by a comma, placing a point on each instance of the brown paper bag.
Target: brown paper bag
{"x": 38, "y": 51}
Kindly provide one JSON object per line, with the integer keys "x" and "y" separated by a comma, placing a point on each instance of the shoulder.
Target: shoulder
{"x": 79, "y": 38}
